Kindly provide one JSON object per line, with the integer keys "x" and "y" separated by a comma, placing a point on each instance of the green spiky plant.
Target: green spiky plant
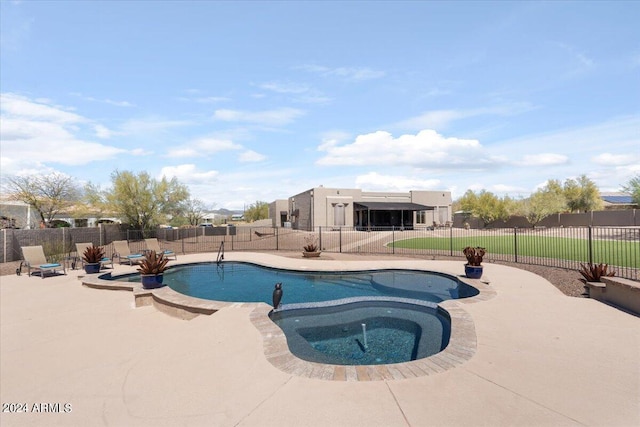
{"x": 311, "y": 244}
{"x": 93, "y": 254}
{"x": 474, "y": 255}
{"x": 153, "y": 264}
{"x": 594, "y": 272}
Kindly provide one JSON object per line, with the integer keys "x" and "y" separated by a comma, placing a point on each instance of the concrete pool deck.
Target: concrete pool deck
{"x": 542, "y": 358}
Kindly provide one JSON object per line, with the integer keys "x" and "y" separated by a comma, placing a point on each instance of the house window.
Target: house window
{"x": 338, "y": 214}
{"x": 421, "y": 217}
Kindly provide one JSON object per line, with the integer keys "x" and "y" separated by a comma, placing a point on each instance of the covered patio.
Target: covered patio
{"x": 384, "y": 214}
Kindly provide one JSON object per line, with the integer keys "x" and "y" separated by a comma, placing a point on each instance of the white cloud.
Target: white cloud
{"x": 35, "y": 132}
{"x": 104, "y": 101}
{"x": 277, "y": 117}
{"x": 102, "y": 132}
{"x": 280, "y": 87}
{"x": 313, "y": 99}
{"x": 441, "y": 119}
{"x": 424, "y": 150}
{"x": 251, "y": 156}
{"x": 332, "y": 139}
{"x": 189, "y": 174}
{"x": 18, "y": 106}
{"x": 608, "y": 159}
{"x": 545, "y": 159}
{"x": 203, "y": 99}
{"x": 118, "y": 103}
{"x": 203, "y": 147}
{"x": 140, "y": 152}
{"x": 151, "y": 125}
{"x": 301, "y": 93}
{"x": 233, "y": 190}
{"x": 212, "y": 99}
{"x": 373, "y": 181}
{"x": 582, "y": 147}
{"x": 349, "y": 73}
{"x": 508, "y": 189}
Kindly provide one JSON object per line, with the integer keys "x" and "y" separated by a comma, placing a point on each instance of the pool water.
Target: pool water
{"x": 243, "y": 282}
{"x": 395, "y": 332}
{"x": 322, "y": 313}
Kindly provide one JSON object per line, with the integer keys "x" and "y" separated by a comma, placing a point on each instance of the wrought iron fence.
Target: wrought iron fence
{"x": 555, "y": 247}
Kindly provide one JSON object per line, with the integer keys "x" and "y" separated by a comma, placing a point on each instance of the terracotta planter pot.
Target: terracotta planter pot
{"x": 311, "y": 254}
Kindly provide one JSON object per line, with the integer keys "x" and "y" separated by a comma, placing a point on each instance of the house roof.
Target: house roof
{"x": 391, "y": 206}
{"x": 618, "y": 199}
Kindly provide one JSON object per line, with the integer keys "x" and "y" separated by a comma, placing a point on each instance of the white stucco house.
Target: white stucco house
{"x": 336, "y": 207}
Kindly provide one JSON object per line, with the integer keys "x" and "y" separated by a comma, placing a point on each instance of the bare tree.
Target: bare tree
{"x": 193, "y": 210}
{"x": 47, "y": 194}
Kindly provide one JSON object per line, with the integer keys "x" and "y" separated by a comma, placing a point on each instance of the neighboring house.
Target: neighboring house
{"x": 18, "y": 215}
{"x": 212, "y": 218}
{"x": 617, "y": 200}
{"x": 336, "y": 207}
{"x": 279, "y": 213}
{"x": 66, "y": 221}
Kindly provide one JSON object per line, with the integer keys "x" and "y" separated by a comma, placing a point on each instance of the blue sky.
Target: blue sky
{"x": 246, "y": 101}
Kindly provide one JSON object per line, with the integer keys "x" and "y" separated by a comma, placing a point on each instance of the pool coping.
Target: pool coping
{"x": 461, "y": 348}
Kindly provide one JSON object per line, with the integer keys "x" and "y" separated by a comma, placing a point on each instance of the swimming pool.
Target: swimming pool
{"x": 365, "y": 332}
{"x": 371, "y": 317}
{"x": 245, "y": 282}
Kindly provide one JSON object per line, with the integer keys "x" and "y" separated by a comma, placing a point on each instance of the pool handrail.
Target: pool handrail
{"x": 220, "y": 256}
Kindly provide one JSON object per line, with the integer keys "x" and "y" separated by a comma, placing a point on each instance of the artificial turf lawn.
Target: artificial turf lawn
{"x": 613, "y": 252}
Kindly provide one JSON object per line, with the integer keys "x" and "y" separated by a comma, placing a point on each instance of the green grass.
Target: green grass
{"x": 613, "y": 252}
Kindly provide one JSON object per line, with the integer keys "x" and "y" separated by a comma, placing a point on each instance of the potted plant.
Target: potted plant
{"x": 92, "y": 257}
{"x": 473, "y": 267}
{"x": 311, "y": 249}
{"x": 151, "y": 269}
{"x": 593, "y": 273}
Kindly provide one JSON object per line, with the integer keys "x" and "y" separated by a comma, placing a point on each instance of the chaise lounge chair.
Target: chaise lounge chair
{"x": 122, "y": 252}
{"x": 154, "y": 245}
{"x": 35, "y": 260}
{"x": 80, "y": 248}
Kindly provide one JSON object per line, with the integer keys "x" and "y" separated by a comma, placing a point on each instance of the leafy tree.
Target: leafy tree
{"x": 546, "y": 201}
{"x": 486, "y": 205}
{"x": 633, "y": 188}
{"x": 554, "y": 186}
{"x": 510, "y": 206}
{"x": 256, "y": 211}
{"x": 93, "y": 203}
{"x": 582, "y": 194}
{"x": 47, "y": 194}
{"x": 143, "y": 201}
{"x": 491, "y": 208}
{"x": 468, "y": 201}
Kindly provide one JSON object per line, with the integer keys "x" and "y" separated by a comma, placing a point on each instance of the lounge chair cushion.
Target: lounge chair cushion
{"x": 49, "y": 265}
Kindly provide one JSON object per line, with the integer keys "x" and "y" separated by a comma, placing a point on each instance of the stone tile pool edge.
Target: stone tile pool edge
{"x": 462, "y": 343}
